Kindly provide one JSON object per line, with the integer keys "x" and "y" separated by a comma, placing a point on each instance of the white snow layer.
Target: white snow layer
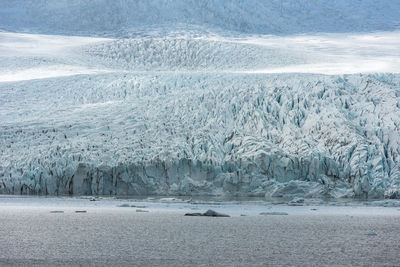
{"x": 200, "y": 114}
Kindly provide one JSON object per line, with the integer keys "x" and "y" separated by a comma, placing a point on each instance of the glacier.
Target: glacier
{"x": 142, "y": 17}
{"x": 179, "y": 103}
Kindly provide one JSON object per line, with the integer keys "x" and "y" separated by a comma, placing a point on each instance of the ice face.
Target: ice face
{"x": 189, "y": 133}
{"x": 199, "y": 113}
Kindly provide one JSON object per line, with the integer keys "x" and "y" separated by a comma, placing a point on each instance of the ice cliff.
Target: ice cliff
{"x": 201, "y": 133}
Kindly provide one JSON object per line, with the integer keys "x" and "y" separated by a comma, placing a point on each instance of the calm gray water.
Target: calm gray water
{"x": 109, "y": 236}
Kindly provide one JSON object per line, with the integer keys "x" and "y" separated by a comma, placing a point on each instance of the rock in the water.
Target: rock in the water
{"x": 213, "y": 213}
{"x": 274, "y": 213}
{"x": 80, "y": 211}
{"x": 208, "y": 213}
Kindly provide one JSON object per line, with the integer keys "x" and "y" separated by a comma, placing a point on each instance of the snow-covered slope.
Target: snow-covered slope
{"x": 205, "y": 110}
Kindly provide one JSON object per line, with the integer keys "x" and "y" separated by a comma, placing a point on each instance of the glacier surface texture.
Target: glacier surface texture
{"x": 234, "y": 98}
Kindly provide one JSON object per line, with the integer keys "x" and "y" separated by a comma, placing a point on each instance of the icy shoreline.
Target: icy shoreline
{"x": 178, "y": 205}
